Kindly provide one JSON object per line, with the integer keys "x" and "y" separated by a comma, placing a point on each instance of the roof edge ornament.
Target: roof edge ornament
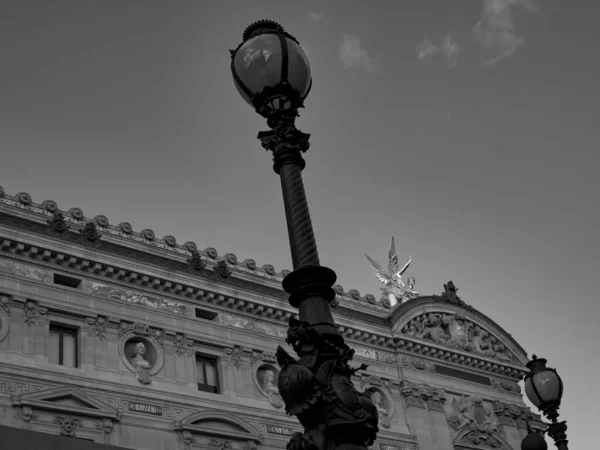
{"x": 50, "y": 210}
{"x": 395, "y": 289}
{"x": 450, "y": 296}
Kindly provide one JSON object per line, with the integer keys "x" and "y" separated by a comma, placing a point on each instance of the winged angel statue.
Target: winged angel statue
{"x": 395, "y": 289}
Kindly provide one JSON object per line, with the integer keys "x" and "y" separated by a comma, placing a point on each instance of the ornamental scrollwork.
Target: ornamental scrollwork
{"x": 100, "y": 326}
{"x": 236, "y": 356}
{"x": 471, "y": 413}
{"x": 30, "y": 311}
{"x": 479, "y": 438}
{"x": 419, "y": 394}
{"x": 180, "y": 342}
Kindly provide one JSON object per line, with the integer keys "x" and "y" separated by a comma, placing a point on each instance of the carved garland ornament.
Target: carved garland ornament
{"x": 419, "y": 394}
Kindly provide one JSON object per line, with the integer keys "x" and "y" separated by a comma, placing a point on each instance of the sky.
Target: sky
{"x": 469, "y": 127}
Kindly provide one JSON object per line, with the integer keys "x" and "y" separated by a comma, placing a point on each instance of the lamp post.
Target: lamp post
{"x": 544, "y": 388}
{"x": 272, "y": 74}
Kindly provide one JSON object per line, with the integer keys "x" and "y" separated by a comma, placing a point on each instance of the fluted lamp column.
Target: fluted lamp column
{"x": 272, "y": 73}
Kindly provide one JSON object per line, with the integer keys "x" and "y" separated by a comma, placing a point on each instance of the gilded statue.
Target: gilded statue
{"x": 141, "y": 365}
{"x": 395, "y": 290}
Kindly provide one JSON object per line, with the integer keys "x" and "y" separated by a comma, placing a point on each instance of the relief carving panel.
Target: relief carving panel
{"x": 456, "y": 331}
{"x": 116, "y": 293}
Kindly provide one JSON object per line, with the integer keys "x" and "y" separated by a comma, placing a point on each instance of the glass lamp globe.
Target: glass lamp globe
{"x": 543, "y": 386}
{"x": 270, "y": 70}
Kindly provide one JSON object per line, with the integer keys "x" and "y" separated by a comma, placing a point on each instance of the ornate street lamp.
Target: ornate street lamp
{"x": 544, "y": 389}
{"x": 272, "y": 74}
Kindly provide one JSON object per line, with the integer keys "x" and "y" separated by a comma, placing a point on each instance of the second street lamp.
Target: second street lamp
{"x": 272, "y": 73}
{"x": 544, "y": 388}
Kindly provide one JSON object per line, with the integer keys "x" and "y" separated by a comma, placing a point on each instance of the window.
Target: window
{"x": 204, "y": 314}
{"x": 62, "y": 346}
{"x": 206, "y": 374}
{"x": 64, "y": 280}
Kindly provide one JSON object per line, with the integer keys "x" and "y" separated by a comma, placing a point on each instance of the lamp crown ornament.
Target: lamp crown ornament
{"x": 536, "y": 364}
{"x": 261, "y": 27}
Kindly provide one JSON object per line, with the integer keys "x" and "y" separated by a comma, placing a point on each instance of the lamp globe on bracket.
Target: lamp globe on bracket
{"x": 271, "y": 71}
{"x": 543, "y": 387}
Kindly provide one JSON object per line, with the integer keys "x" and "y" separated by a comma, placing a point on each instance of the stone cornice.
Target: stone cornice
{"x": 117, "y": 275}
{"x": 146, "y": 243}
{"x": 458, "y": 357}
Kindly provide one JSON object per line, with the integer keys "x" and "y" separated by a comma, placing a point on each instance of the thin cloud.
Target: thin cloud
{"x": 353, "y": 55}
{"x": 448, "y": 48}
{"x": 316, "y": 16}
{"x": 496, "y": 32}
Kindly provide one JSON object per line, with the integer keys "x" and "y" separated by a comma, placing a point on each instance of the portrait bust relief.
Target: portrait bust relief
{"x": 382, "y": 404}
{"x": 142, "y": 356}
{"x": 142, "y": 366}
{"x": 266, "y": 380}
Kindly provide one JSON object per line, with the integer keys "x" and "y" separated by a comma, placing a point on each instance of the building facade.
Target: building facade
{"x": 113, "y": 337}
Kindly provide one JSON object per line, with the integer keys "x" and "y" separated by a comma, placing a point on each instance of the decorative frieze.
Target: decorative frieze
{"x": 417, "y": 363}
{"x": 116, "y": 293}
{"x": 24, "y": 270}
{"x": 253, "y": 325}
{"x": 373, "y": 354}
{"x": 505, "y": 385}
